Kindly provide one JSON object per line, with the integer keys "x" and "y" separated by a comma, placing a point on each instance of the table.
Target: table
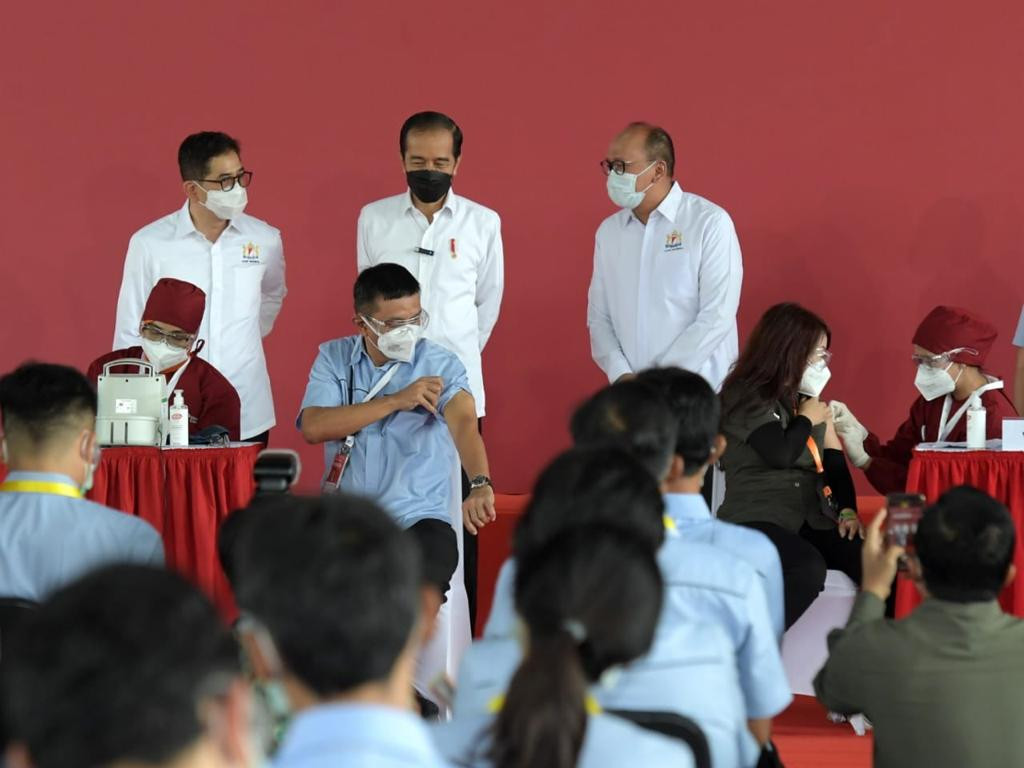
{"x": 185, "y": 493}
{"x": 999, "y": 474}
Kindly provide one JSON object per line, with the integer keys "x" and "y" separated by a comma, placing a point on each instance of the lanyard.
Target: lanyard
{"x": 384, "y": 381}
{"x": 497, "y": 703}
{"x": 169, "y": 389}
{"x": 41, "y": 486}
{"x": 945, "y": 428}
{"x": 816, "y": 455}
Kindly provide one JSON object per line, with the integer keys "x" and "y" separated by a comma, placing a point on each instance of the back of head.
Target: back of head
{"x": 773, "y": 361}
{"x": 590, "y": 600}
{"x": 197, "y": 150}
{"x": 116, "y": 668}
{"x": 431, "y": 121}
{"x": 382, "y": 283}
{"x": 629, "y": 415}
{"x": 334, "y": 581}
{"x": 965, "y": 544}
{"x": 43, "y": 405}
{"x": 586, "y": 486}
{"x": 696, "y": 410}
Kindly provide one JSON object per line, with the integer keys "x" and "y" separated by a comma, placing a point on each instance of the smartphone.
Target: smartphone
{"x": 903, "y": 514}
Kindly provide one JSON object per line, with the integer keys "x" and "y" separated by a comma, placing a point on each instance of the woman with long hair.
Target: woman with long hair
{"x": 785, "y": 471}
{"x": 589, "y": 601}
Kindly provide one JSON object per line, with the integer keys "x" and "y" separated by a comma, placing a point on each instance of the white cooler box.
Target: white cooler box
{"x": 130, "y": 406}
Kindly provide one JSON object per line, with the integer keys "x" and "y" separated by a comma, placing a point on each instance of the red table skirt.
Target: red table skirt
{"x": 184, "y": 493}
{"x": 1001, "y": 475}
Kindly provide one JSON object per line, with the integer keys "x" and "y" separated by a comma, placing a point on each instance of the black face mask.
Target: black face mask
{"x": 429, "y": 186}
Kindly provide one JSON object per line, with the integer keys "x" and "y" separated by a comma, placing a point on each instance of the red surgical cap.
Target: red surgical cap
{"x": 175, "y": 302}
{"x": 949, "y": 328}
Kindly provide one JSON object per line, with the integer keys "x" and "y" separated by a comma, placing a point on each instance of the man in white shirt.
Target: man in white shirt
{"x": 667, "y": 268}
{"x": 452, "y": 246}
{"x": 235, "y": 259}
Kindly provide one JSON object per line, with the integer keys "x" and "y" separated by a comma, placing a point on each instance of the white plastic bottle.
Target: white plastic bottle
{"x": 178, "y": 419}
{"x": 976, "y": 432}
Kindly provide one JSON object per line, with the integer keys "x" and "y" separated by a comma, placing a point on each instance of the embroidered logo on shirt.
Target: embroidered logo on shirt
{"x": 674, "y": 241}
{"x": 250, "y": 253}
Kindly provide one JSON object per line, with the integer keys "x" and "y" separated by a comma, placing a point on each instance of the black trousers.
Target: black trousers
{"x": 805, "y": 556}
{"x": 469, "y": 551}
{"x": 440, "y": 550}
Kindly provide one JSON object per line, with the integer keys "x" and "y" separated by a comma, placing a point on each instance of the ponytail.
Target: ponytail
{"x": 544, "y": 716}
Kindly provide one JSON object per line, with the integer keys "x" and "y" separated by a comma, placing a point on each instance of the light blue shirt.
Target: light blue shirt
{"x": 1018, "y": 337}
{"x": 609, "y": 742}
{"x": 690, "y": 670}
{"x": 48, "y": 540}
{"x": 703, "y": 585}
{"x": 405, "y": 461}
{"x": 693, "y": 519}
{"x": 357, "y": 736}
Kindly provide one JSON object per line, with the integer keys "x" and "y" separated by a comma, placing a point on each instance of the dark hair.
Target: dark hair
{"x": 384, "y": 281}
{"x": 629, "y": 415}
{"x": 774, "y": 359}
{"x": 43, "y": 400}
{"x": 113, "y": 669}
{"x": 596, "y": 485}
{"x": 657, "y": 144}
{"x": 965, "y": 544}
{"x": 590, "y": 599}
{"x": 197, "y": 150}
{"x": 696, "y": 410}
{"x": 335, "y": 582}
{"x": 431, "y": 121}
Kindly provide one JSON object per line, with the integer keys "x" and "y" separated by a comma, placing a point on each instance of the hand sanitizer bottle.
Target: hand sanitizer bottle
{"x": 976, "y": 432}
{"x": 178, "y": 419}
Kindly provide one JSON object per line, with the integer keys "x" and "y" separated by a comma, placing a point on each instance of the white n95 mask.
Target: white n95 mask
{"x": 163, "y": 355}
{"x": 226, "y": 205}
{"x": 622, "y": 188}
{"x": 400, "y": 343}
{"x": 814, "y": 380}
{"x": 934, "y": 383}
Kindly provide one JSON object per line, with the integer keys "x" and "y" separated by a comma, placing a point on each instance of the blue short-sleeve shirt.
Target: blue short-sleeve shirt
{"x": 404, "y": 461}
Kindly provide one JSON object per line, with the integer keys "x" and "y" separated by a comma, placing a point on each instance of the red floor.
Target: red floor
{"x": 806, "y": 739}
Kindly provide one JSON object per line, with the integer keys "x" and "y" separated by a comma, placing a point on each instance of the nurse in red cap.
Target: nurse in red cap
{"x": 950, "y": 349}
{"x": 170, "y": 322}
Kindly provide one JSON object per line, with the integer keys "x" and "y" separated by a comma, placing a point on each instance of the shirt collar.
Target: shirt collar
{"x": 184, "y": 226}
{"x": 686, "y": 506}
{"x": 451, "y": 202}
{"x": 40, "y": 477}
{"x": 668, "y": 208}
{"x": 352, "y": 726}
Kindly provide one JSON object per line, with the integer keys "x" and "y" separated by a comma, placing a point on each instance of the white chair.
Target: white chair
{"x": 804, "y": 649}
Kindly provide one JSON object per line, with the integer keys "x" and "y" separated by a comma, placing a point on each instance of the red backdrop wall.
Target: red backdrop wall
{"x": 869, "y": 154}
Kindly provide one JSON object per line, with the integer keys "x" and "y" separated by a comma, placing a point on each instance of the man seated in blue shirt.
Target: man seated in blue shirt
{"x": 396, "y": 416}
{"x": 698, "y": 445}
{"x": 332, "y": 620}
{"x": 49, "y": 533}
{"x": 130, "y": 666}
{"x": 715, "y": 586}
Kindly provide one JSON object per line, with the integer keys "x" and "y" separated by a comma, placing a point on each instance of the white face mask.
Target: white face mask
{"x": 814, "y": 380}
{"x": 622, "y": 188}
{"x": 400, "y": 343}
{"x": 226, "y": 205}
{"x": 934, "y": 383}
{"x": 162, "y": 355}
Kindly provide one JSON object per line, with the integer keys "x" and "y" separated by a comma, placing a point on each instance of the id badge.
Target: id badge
{"x": 333, "y": 480}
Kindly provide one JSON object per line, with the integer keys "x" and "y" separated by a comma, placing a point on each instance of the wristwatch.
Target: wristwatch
{"x": 479, "y": 482}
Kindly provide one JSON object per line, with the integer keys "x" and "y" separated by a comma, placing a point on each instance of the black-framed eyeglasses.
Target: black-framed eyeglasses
{"x": 244, "y": 179}
{"x": 616, "y": 166}
{"x": 178, "y": 339}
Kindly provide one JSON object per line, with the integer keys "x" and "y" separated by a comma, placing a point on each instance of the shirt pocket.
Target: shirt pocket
{"x": 246, "y": 283}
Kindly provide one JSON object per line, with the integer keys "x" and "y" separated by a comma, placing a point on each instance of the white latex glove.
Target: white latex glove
{"x": 852, "y": 433}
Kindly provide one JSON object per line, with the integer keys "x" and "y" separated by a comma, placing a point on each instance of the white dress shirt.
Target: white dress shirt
{"x": 666, "y": 294}
{"x": 242, "y": 275}
{"x": 460, "y": 284}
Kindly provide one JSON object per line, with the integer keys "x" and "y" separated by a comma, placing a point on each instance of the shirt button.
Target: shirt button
{"x": 796, "y": 485}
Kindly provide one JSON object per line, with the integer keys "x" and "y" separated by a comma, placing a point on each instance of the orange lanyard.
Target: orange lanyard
{"x": 816, "y": 455}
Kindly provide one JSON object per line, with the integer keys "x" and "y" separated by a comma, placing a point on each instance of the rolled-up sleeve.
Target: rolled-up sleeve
{"x": 328, "y": 383}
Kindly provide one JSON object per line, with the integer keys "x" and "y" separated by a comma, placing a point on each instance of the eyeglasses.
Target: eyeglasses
{"x": 382, "y": 326}
{"x": 616, "y": 166}
{"x": 940, "y": 362}
{"x": 227, "y": 183}
{"x": 820, "y": 358}
{"x": 176, "y": 339}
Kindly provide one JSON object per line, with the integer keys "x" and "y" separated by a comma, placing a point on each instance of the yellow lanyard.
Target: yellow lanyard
{"x": 41, "y": 486}
{"x": 496, "y": 704}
